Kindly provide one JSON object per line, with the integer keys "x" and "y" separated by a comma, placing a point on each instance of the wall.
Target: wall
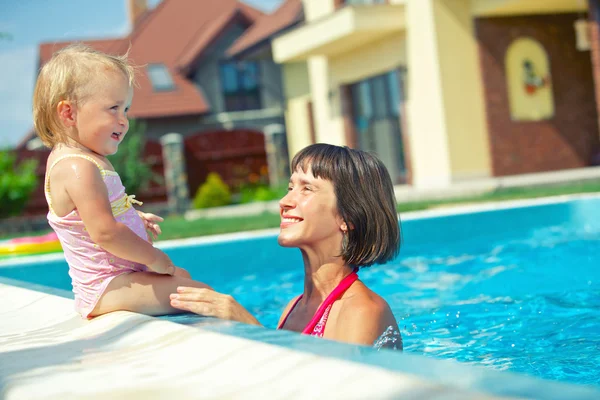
{"x": 569, "y": 139}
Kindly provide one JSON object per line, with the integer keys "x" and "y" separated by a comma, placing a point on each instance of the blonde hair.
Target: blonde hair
{"x": 68, "y": 76}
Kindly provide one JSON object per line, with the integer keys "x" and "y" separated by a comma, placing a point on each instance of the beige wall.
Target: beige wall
{"x": 315, "y": 9}
{"x": 297, "y": 92}
{"x": 370, "y": 60}
{"x": 447, "y": 130}
{"x": 329, "y": 125}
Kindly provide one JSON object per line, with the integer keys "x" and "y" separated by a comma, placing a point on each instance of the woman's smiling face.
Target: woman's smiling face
{"x": 309, "y": 215}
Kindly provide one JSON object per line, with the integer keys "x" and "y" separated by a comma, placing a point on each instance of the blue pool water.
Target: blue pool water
{"x": 513, "y": 289}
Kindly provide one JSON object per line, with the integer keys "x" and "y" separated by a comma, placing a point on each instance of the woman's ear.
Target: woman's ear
{"x": 66, "y": 113}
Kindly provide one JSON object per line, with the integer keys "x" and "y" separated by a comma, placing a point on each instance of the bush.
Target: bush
{"x": 212, "y": 193}
{"x": 15, "y": 187}
{"x": 135, "y": 172}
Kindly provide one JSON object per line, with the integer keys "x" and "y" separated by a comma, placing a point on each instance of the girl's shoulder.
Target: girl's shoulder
{"x": 58, "y": 155}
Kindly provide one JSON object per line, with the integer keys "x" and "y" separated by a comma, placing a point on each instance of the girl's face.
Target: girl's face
{"x": 309, "y": 216}
{"x": 101, "y": 120}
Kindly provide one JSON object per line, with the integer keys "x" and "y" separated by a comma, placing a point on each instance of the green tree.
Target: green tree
{"x": 16, "y": 183}
{"x": 135, "y": 171}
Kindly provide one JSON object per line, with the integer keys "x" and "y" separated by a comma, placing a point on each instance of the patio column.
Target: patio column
{"x": 447, "y": 130}
{"x": 175, "y": 176}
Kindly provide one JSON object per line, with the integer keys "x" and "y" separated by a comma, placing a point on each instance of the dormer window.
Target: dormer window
{"x": 241, "y": 85}
{"x": 160, "y": 77}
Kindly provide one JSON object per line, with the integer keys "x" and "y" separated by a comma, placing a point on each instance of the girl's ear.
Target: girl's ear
{"x": 66, "y": 113}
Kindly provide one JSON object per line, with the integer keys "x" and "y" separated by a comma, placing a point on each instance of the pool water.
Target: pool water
{"x": 513, "y": 289}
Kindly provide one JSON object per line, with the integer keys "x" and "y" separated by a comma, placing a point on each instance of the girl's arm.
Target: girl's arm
{"x": 85, "y": 187}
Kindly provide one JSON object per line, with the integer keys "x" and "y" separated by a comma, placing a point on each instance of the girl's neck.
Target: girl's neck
{"x": 75, "y": 145}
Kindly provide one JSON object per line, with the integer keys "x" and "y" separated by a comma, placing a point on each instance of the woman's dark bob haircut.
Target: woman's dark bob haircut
{"x": 365, "y": 200}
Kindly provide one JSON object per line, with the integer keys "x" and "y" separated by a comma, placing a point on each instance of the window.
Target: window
{"x": 160, "y": 78}
{"x": 240, "y": 84}
{"x": 376, "y": 104}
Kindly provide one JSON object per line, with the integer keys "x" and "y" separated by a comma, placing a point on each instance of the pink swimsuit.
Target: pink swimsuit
{"x": 91, "y": 267}
{"x": 316, "y": 326}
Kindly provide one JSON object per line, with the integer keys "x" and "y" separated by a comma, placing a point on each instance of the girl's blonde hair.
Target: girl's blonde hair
{"x": 69, "y": 75}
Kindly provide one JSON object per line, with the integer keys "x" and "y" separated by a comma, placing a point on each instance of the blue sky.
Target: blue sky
{"x": 30, "y": 22}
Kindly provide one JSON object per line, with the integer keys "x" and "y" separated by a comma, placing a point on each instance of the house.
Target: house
{"x": 186, "y": 81}
{"x": 443, "y": 90}
{"x": 229, "y": 111}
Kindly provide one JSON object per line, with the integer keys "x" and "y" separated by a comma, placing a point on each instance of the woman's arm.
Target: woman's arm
{"x": 211, "y": 304}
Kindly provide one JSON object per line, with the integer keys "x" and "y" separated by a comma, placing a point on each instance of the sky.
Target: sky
{"x": 31, "y": 22}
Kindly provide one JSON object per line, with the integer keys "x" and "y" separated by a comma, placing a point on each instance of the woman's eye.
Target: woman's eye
{"x": 290, "y": 188}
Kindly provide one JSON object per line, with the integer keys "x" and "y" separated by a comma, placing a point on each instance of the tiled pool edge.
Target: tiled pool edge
{"x": 48, "y": 352}
{"x": 33, "y": 323}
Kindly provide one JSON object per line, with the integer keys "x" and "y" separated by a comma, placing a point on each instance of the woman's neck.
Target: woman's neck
{"x": 322, "y": 276}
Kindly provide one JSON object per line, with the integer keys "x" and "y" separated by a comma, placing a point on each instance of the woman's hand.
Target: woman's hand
{"x": 151, "y": 224}
{"x": 211, "y": 304}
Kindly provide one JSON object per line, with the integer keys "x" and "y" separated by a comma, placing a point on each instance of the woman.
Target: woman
{"x": 340, "y": 211}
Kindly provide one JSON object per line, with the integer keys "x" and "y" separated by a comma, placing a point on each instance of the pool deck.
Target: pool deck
{"x": 48, "y": 352}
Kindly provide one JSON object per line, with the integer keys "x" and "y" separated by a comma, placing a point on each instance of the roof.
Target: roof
{"x": 175, "y": 33}
{"x": 288, "y": 14}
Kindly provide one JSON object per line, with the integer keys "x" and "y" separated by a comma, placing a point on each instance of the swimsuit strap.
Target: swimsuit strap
{"x": 333, "y": 296}
{"x": 59, "y": 159}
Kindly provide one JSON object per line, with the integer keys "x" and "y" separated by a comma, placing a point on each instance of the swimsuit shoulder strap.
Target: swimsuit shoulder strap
{"x": 326, "y": 305}
{"x": 289, "y": 312}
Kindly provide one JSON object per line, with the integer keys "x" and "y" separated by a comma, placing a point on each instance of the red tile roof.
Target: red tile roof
{"x": 174, "y": 32}
{"x": 285, "y": 16}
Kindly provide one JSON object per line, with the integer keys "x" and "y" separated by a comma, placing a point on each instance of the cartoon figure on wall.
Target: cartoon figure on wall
{"x": 529, "y": 81}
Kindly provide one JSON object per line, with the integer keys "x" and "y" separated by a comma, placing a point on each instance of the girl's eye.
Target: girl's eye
{"x": 126, "y": 110}
{"x": 114, "y": 108}
{"x": 290, "y": 188}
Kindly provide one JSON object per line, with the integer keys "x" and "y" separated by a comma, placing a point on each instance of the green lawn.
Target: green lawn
{"x": 177, "y": 227}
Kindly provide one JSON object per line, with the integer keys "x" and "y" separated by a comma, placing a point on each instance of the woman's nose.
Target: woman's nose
{"x": 287, "y": 201}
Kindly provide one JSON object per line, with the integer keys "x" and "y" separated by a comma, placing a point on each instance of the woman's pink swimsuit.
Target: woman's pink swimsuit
{"x": 91, "y": 267}
{"x": 316, "y": 326}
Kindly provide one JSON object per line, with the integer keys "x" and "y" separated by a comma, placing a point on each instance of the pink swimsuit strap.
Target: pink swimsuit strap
{"x": 316, "y": 326}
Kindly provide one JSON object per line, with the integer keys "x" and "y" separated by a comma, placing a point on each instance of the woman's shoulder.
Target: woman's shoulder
{"x": 360, "y": 299}
{"x": 363, "y": 315}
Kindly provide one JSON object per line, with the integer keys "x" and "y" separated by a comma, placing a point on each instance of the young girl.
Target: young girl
{"x": 80, "y": 111}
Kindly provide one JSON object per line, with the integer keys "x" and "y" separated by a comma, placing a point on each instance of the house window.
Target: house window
{"x": 160, "y": 78}
{"x": 240, "y": 83}
{"x": 376, "y": 104}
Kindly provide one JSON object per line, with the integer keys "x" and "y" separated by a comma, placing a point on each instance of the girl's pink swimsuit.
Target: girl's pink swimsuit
{"x": 91, "y": 267}
{"x": 316, "y": 326}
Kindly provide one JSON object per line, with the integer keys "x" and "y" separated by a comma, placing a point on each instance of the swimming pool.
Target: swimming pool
{"x": 513, "y": 288}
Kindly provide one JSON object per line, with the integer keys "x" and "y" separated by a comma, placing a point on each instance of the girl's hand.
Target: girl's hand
{"x": 150, "y": 222}
{"x": 209, "y": 303}
{"x": 162, "y": 264}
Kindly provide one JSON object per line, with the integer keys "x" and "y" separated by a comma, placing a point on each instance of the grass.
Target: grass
{"x": 177, "y": 227}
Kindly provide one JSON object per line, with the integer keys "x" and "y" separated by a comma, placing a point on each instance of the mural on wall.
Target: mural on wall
{"x": 529, "y": 81}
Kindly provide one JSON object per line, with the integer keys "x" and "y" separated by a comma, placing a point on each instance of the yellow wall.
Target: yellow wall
{"x": 315, "y": 9}
{"x": 369, "y": 60}
{"x": 524, "y": 7}
{"x": 462, "y": 88}
{"x": 446, "y": 118}
{"x": 297, "y": 92}
{"x": 329, "y": 124}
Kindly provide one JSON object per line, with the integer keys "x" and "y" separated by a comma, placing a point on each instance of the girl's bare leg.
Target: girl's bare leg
{"x": 144, "y": 293}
